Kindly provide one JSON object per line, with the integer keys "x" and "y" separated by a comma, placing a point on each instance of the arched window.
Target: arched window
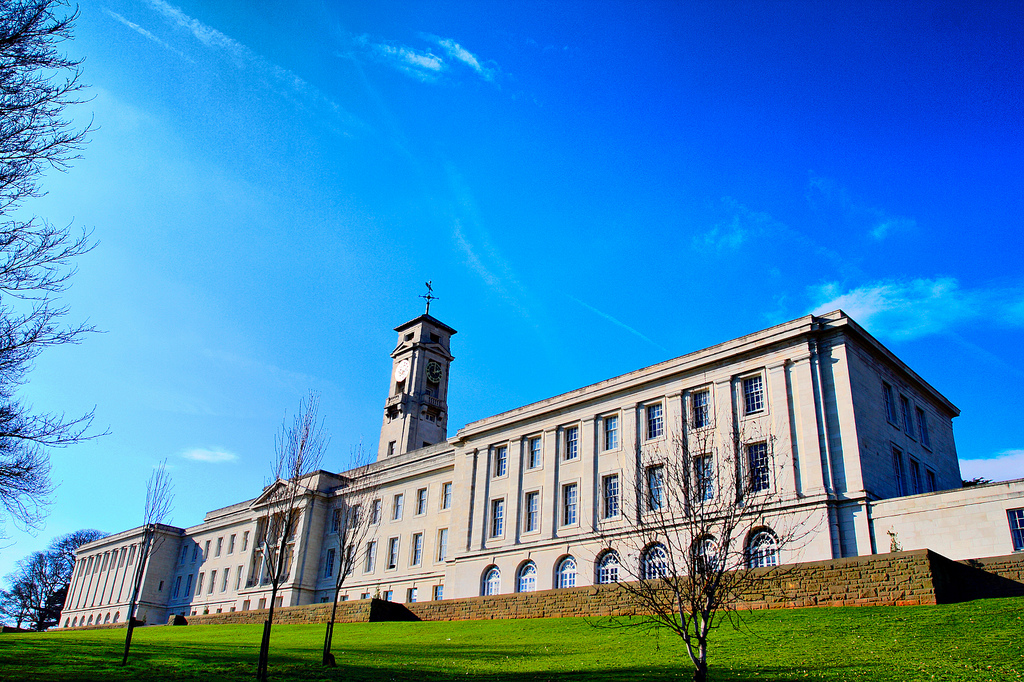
{"x": 117, "y": 614}
{"x": 565, "y": 576}
{"x": 68, "y": 621}
{"x": 107, "y": 619}
{"x": 528, "y": 577}
{"x": 762, "y": 550}
{"x": 654, "y": 563}
{"x": 705, "y": 555}
{"x": 90, "y": 620}
{"x": 492, "y": 581}
{"x": 608, "y": 568}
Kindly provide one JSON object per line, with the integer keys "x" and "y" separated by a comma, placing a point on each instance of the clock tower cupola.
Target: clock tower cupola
{"x": 416, "y": 411}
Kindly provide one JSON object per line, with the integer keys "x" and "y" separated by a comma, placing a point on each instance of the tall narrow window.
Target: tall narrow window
{"x": 611, "y": 432}
{"x": 438, "y": 592}
{"x": 922, "y": 429}
{"x": 329, "y": 564}
{"x": 442, "y": 544}
{"x": 392, "y": 553}
{"x": 532, "y": 508}
{"x": 238, "y": 578}
{"x": 760, "y": 474}
{"x": 500, "y": 460}
{"x": 199, "y": 584}
{"x": 610, "y": 489}
{"x": 915, "y": 477}
{"x": 224, "y": 583}
{"x": 701, "y": 409}
{"x": 1016, "y": 519}
{"x": 417, "y": 549}
{"x": 446, "y": 496}
{"x": 375, "y": 512}
{"x": 569, "y": 493}
{"x": 220, "y": 545}
{"x": 655, "y": 487}
{"x": 421, "y": 501}
{"x": 533, "y": 453}
{"x": 572, "y": 437}
{"x": 396, "y": 508}
{"x": 497, "y": 518}
{"x": 655, "y": 421}
{"x": 931, "y": 481}
{"x": 188, "y": 585}
{"x": 527, "y": 577}
{"x": 753, "y": 395}
{"x": 704, "y": 473}
{"x": 492, "y": 581}
{"x": 371, "y": 556}
{"x": 335, "y": 520}
{"x": 245, "y": 540}
{"x": 213, "y": 581}
{"x": 177, "y": 587}
{"x": 890, "y": 403}
{"x": 897, "y": 466}
{"x": 908, "y": 418}
{"x": 231, "y": 544}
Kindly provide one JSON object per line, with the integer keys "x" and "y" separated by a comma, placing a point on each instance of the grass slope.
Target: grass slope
{"x": 982, "y": 640}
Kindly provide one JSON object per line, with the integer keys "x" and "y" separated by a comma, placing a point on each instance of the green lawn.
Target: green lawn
{"x": 979, "y": 640}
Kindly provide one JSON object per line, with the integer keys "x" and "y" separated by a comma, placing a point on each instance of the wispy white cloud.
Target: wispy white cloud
{"x": 145, "y": 33}
{"x": 739, "y": 225}
{"x": 839, "y": 206}
{"x": 212, "y": 455}
{"x": 284, "y": 82}
{"x": 617, "y": 323}
{"x": 424, "y": 64}
{"x": 909, "y": 309}
{"x": 1005, "y": 466}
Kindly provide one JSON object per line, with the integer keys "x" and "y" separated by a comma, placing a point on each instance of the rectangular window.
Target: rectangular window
{"x": 572, "y": 439}
{"x": 245, "y": 540}
{"x": 500, "y": 460}
{"x": 410, "y": 595}
{"x": 655, "y": 487}
{"x": 897, "y": 466}
{"x": 417, "y": 549}
{"x": 392, "y": 553}
{"x": 195, "y": 552}
{"x": 199, "y": 585}
{"x": 1016, "y": 518}
{"x": 533, "y": 453}
{"x": 655, "y": 421}
{"x": 388, "y": 595}
{"x": 497, "y": 518}
{"x": 915, "y": 477}
{"x": 131, "y": 555}
{"x": 701, "y": 408}
{"x": 329, "y": 564}
{"x": 569, "y": 501}
{"x": 184, "y": 553}
{"x": 753, "y": 395}
{"x": 442, "y": 544}
{"x": 396, "y": 507}
{"x": 421, "y": 501}
{"x": 760, "y": 474}
{"x": 238, "y": 578}
{"x": 206, "y": 551}
{"x": 704, "y": 475}
{"x": 364, "y": 595}
{"x": 611, "y": 432}
{"x": 220, "y": 545}
{"x": 375, "y": 512}
{"x": 610, "y": 501}
{"x": 188, "y": 584}
{"x": 335, "y": 520}
{"x": 908, "y": 418}
{"x": 438, "y": 592}
{"x": 930, "y": 477}
{"x": 532, "y": 521}
{"x": 890, "y": 403}
{"x": 371, "y": 556}
{"x": 446, "y": 496}
{"x": 177, "y": 587}
{"x": 393, "y": 443}
{"x": 213, "y": 581}
{"x": 224, "y": 583}
{"x": 231, "y": 544}
{"x": 922, "y": 429}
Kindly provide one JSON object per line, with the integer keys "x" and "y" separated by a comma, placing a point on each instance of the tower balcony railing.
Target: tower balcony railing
{"x": 434, "y": 402}
{"x": 393, "y": 400}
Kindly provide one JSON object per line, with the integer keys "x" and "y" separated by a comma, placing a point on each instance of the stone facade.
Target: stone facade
{"x": 865, "y": 448}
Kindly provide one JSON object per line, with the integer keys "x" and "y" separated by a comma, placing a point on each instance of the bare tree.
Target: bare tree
{"x": 299, "y": 449}
{"x": 350, "y": 523}
{"x": 37, "y": 84}
{"x": 159, "y": 497}
{"x": 705, "y": 514}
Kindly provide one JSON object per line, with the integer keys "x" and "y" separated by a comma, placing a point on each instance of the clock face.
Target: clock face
{"x": 434, "y": 372}
{"x": 402, "y": 371}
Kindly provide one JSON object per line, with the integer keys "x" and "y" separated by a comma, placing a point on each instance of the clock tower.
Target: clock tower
{"x": 416, "y": 411}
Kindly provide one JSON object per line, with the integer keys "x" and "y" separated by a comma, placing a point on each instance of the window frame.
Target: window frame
{"x": 889, "y": 404}
{"x": 394, "y": 547}
{"x": 759, "y": 471}
{"x": 397, "y": 507}
{"x": 421, "y": 501}
{"x": 570, "y": 508}
{"x": 650, "y": 435}
{"x": 603, "y": 574}
{"x": 564, "y": 577}
{"x": 534, "y": 457}
{"x": 416, "y": 550}
{"x": 500, "y": 461}
{"x": 496, "y": 526}
{"x": 761, "y": 394}
{"x": 446, "y": 495}
{"x": 907, "y": 417}
{"x": 899, "y": 472}
{"x": 527, "y": 571}
{"x": 441, "y": 555}
{"x": 705, "y": 421}
{"x": 611, "y": 501}
{"x": 650, "y": 498}
{"x": 610, "y": 440}
{"x": 1015, "y": 519}
{"x": 528, "y": 527}
{"x": 574, "y": 451}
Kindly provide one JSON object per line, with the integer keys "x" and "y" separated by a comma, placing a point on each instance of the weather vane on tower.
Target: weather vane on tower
{"x": 429, "y": 296}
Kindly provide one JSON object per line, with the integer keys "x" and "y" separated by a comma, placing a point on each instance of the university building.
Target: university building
{"x": 524, "y": 500}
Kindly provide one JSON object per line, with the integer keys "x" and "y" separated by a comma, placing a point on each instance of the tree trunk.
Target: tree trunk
{"x": 328, "y": 658}
{"x": 700, "y": 673}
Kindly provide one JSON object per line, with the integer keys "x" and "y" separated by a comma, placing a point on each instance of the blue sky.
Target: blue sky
{"x": 591, "y": 187}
